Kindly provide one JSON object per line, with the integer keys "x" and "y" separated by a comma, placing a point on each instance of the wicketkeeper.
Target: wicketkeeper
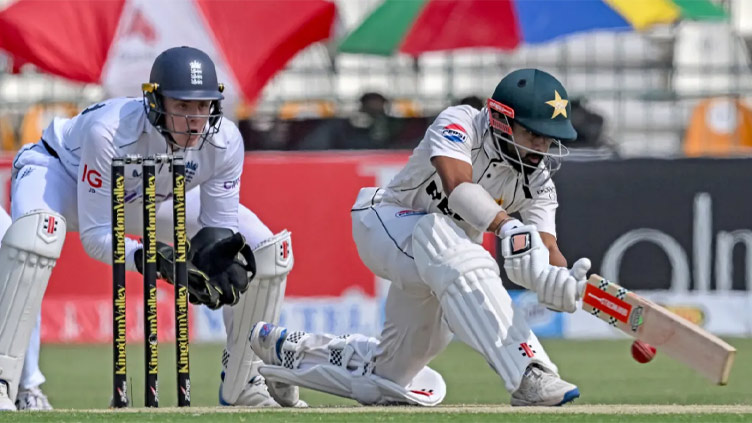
{"x": 62, "y": 184}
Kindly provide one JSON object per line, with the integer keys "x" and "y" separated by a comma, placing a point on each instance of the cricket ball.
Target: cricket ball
{"x": 642, "y": 352}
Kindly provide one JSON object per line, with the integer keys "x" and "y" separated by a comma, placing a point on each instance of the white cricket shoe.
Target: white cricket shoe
{"x": 254, "y": 394}
{"x": 266, "y": 341}
{"x": 259, "y": 393}
{"x": 5, "y": 403}
{"x": 541, "y": 387}
{"x": 32, "y": 399}
{"x": 286, "y": 395}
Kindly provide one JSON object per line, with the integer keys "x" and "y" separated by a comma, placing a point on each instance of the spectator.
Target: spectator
{"x": 369, "y": 128}
{"x": 472, "y": 100}
{"x": 589, "y": 125}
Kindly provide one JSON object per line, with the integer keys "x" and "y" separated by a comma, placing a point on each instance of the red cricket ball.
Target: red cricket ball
{"x": 642, "y": 352}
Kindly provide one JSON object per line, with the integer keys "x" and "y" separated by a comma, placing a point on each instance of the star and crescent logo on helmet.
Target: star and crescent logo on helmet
{"x": 454, "y": 132}
{"x": 559, "y": 104}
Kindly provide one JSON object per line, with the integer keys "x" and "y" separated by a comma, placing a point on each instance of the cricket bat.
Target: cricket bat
{"x": 670, "y": 334}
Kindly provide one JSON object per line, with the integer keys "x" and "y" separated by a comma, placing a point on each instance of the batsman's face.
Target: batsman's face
{"x": 186, "y": 119}
{"x": 533, "y": 145}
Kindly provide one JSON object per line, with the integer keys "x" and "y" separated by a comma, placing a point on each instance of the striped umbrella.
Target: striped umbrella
{"x": 418, "y": 26}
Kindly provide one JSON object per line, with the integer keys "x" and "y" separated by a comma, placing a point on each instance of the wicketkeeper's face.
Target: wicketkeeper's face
{"x": 186, "y": 120}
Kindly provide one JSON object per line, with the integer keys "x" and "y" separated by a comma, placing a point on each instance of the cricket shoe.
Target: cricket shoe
{"x": 5, "y": 402}
{"x": 540, "y": 386}
{"x": 32, "y": 399}
{"x": 266, "y": 341}
{"x": 255, "y": 394}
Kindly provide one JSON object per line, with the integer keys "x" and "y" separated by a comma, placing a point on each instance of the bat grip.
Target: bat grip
{"x": 581, "y": 288}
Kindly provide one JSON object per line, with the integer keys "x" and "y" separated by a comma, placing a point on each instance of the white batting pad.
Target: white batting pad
{"x": 262, "y": 302}
{"x": 30, "y": 249}
{"x": 344, "y": 366}
{"x": 477, "y": 308}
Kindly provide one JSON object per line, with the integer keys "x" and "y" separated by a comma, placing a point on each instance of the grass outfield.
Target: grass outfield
{"x": 79, "y": 377}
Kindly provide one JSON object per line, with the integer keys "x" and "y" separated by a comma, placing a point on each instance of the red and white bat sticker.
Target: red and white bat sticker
{"x": 607, "y": 303}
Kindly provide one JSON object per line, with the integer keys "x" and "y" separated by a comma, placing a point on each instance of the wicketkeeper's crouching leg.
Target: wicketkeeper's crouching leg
{"x": 242, "y": 384}
{"x": 29, "y": 252}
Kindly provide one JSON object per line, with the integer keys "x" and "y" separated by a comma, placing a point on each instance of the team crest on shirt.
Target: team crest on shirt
{"x": 454, "y": 133}
{"x": 191, "y": 168}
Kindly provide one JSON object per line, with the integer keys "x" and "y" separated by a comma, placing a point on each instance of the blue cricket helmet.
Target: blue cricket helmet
{"x": 183, "y": 73}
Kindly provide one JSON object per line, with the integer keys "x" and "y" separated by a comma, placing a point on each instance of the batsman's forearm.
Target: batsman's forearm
{"x": 497, "y": 222}
{"x": 556, "y": 258}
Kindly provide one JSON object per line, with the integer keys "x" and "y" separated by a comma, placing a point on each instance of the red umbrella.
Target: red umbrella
{"x": 114, "y": 42}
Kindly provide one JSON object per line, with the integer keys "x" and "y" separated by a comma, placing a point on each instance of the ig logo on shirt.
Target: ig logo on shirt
{"x": 92, "y": 177}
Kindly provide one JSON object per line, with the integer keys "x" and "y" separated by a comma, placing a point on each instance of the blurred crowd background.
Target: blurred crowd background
{"x": 670, "y": 90}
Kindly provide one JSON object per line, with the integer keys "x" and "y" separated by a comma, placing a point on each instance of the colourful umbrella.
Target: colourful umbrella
{"x": 418, "y": 26}
{"x": 114, "y": 42}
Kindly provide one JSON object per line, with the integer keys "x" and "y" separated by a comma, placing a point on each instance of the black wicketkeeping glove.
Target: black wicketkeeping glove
{"x": 200, "y": 291}
{"x": 226, "y": 259}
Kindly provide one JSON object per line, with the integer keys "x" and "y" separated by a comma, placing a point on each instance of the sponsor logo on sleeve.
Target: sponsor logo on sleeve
{"x": 232, "y": 184}
{"x": 454, "y": 132}
{"x": 547, "y": 191}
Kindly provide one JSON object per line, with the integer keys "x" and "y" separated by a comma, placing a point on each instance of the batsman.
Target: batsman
{"x": 62, "y": 184}
{"x": 422, "y": 232}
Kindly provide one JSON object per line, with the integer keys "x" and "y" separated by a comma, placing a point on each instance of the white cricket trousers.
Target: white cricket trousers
{"x": 414, "y": 330}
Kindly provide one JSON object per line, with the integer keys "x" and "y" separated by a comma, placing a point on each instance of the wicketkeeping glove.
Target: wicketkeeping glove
{"x": 226, "y": 259}
{"x": 200, "y": 291}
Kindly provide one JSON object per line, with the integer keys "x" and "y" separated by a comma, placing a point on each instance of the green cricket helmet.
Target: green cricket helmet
{"x": 537, "y": 101}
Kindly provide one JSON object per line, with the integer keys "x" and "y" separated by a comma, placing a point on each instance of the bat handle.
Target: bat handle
{"x": 581, "y": 288}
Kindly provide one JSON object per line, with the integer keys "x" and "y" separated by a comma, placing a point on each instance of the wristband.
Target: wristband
{"x": 506, "y": 225}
